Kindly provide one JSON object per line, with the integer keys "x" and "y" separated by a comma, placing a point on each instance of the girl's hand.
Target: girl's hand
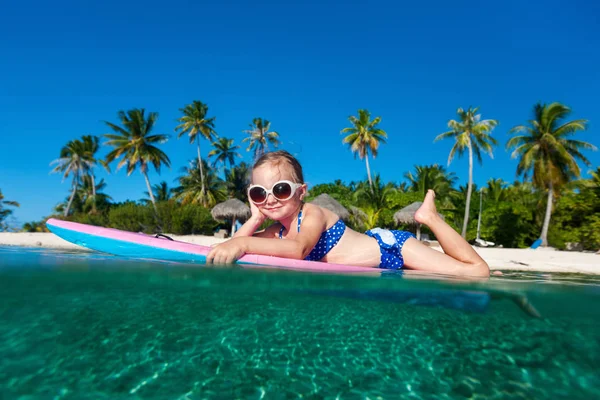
{"x": 257, "y": 215}
{"x": 227, "y": 252}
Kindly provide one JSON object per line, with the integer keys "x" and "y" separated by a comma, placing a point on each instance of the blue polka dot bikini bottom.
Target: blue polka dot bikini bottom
{"x": 390, "y": 244}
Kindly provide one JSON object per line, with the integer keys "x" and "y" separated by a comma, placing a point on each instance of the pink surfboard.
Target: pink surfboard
{"x": 139, "y": 245}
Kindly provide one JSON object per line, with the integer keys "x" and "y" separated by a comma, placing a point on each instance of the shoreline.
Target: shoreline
{"x": 539, "y": 260}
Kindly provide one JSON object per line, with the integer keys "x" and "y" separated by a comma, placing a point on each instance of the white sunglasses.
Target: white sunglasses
{"x": 281, "y": 190}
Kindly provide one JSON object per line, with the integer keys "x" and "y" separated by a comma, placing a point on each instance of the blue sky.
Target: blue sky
{"x": 69, "y": 65}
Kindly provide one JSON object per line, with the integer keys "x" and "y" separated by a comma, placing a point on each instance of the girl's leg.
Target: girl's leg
{"x": 459, "y": 258}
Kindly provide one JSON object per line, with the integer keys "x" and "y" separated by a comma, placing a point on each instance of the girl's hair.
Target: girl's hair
{"x": 279, "y": 157}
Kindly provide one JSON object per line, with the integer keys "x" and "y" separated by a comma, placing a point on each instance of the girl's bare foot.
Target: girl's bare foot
{"x": 427, "y": 212}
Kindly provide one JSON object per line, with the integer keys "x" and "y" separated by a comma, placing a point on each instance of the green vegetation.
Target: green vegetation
{"x": 161, "y": 192}
{"x": 224, "y": 152}
{"x": 78, "y": 158}
{"x": 546, "y": 153}
{"x": 512, "y": 215}
{"x": 432, "y": 177}
{"x": 237, "y": 180}
{"x": 259, "y": 137}
{"x": 4, "y": 211}
{"x": 470, "y": 133}
{"x": 196, "y": 125}
{"x": 133, "y": 143}
{"x": 364, "y": 137}
{"x": 206, "y": 190}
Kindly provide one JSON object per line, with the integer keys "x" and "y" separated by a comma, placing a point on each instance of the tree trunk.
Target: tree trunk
{"x": 200, "y": 164}
{"x": 469, "y": 188}
{"x": 418, "y": 231}
{"x": 544, "y": 236}
{"x": 93, "y": 193}
{"x": 150, "y": 191}
{"x": 259, "y": 152}
{"x": 479, "y": 217}
{"x": 369, "y": 171}
{"x": 75, "y": 178}
{"x": 232, "y": 226}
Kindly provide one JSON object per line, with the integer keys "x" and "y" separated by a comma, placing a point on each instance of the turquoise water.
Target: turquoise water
{"x": 80, "y": 326}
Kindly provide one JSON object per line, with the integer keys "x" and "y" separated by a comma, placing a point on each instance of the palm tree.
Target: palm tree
{"x": 89, "y": 194}
{"x": 194, "y": 190}
{"x": 224, "y": 152}
{"x": 433, "y": 177}
{"x": 364, "y": 137}
{"x": 259, "y": 137}
{"x": 195, "y": 123}
{"x": 375, "y": 196}
{"x": 161, "y": 192}
{"x": 496, "y": 190}
{"x": 5, "y": 212}
{"x": 596, "y": 177}
{"x": 238, "y": 180}
{"x": 594, "y": 180}
{"x": 78, "y": 158}
{"x": 87, "y": 198}
{"x": 470, "y": 133}
{"x": 135, "y": 144}
{"x": 91, "y": 146}
{"x": 525, "y": 194}
{"x": 546, "y": 153}
{"x": 72, "y": 162}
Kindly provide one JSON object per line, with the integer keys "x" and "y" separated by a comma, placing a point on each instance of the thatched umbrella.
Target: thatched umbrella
{"x": 326, "y": 201}
{"x": 407, "y": 216}
{"x": 232, "y": 208}
{"x": 359, "y": 215}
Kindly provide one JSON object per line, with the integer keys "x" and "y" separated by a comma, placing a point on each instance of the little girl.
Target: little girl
{"x": 306, "y": 231}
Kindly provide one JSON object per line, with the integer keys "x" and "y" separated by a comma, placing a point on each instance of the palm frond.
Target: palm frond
{"x": 546, "y": 155}
{"x": 444, "y": 135}
{"x": 571, "y": 127}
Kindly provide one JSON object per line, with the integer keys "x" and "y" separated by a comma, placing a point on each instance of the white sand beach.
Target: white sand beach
{"x": 51, "y": 241}
{"x": 541, "y": 259}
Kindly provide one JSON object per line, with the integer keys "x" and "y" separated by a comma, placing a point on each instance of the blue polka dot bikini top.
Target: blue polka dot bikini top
{"x": 326, "y": 242}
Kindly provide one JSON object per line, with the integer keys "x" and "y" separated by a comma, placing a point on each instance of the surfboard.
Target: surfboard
{"x": 156, "y": 247}
{"x": 162, "y": 248}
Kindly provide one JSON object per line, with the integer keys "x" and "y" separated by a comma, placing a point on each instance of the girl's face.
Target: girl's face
{"x": 267, "y": 175}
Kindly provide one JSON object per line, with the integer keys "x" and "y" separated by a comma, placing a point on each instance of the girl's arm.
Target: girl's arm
{"x": 249, "y": 227}
{"x": 299, "y": 247}
{"x": 253, "y": 223}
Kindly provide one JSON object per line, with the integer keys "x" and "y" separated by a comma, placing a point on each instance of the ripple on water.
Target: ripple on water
{"x": 80, "y": 331}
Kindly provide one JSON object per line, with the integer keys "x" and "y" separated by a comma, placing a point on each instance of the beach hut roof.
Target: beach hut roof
{"x": 358, "y": 213}
{"x": 326, "y": 201}
{"x": 232, "y": 208}
{"x": 407, "y": 214}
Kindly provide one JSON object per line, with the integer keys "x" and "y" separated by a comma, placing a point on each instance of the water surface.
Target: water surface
{"x": 79, "y": 326}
